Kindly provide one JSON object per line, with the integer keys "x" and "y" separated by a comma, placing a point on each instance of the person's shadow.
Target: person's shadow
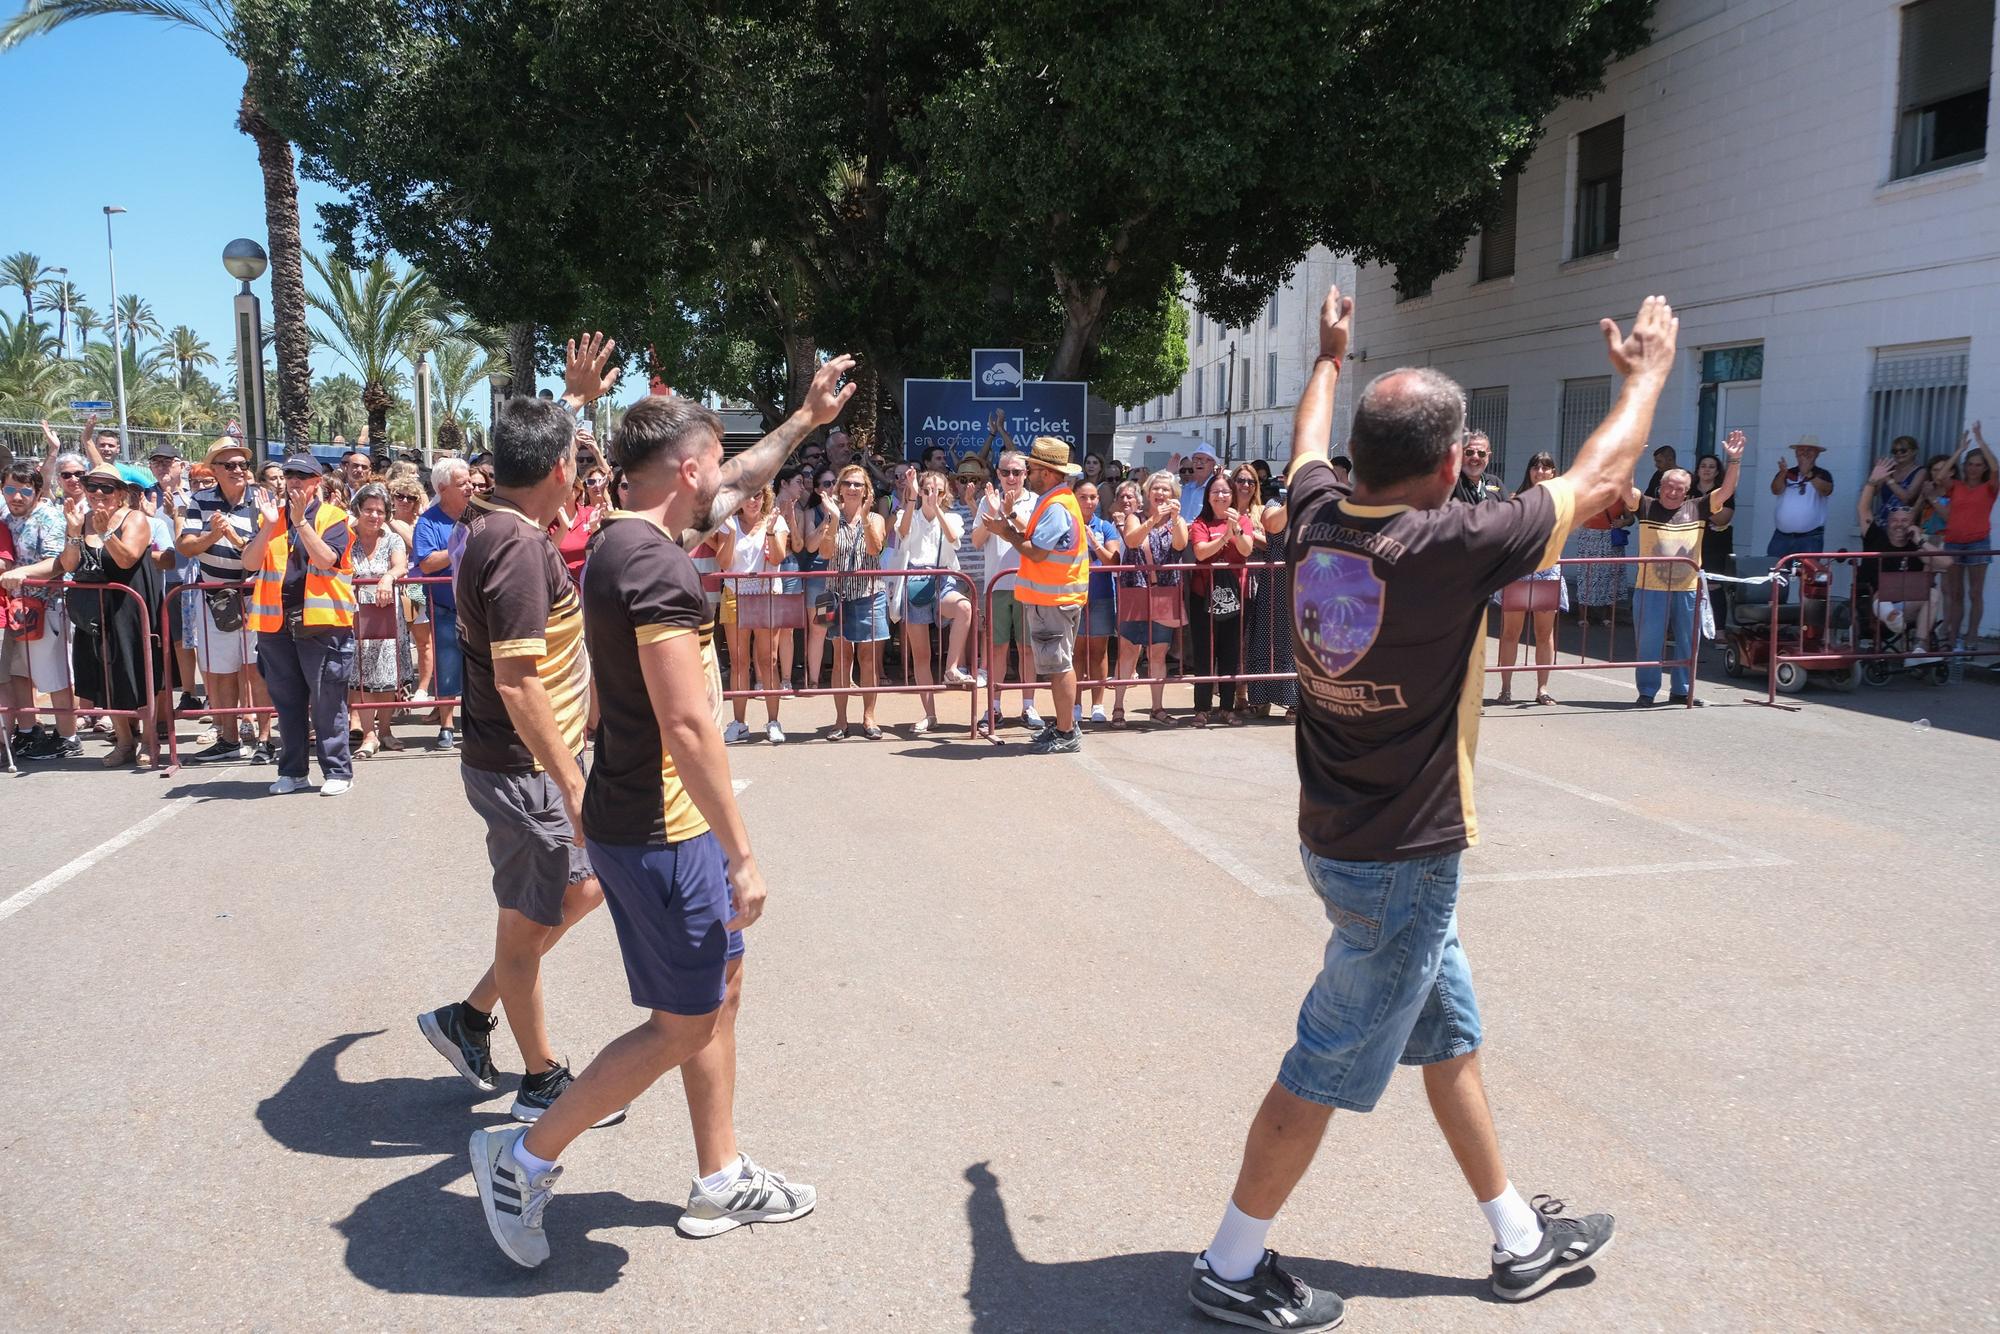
{"x": 414, "y": 1235}
{"x": 1011, "y": 1294}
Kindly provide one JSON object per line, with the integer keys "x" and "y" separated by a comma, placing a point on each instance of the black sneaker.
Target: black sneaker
{"x": 54, "y": 748}
{"x": 191, "y": 702}
{"x": 445, "y": 741}
{"x": 1268, "y": 1299}
{"x": 1052, "y": 742}
{"x": 539, "y": 1093}
{"x": 28, "y": 742}
{"x": 264, "y": 753}
{"x": 1568, "y": 1244}
{"x": 1683, "y": 699}
{"x": 1646, "y": 702}
{"x": 464, "y": 1041}
{"x": 221, "y": 750}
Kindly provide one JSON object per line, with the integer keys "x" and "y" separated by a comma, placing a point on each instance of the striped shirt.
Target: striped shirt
{"x": 224, "y": 560}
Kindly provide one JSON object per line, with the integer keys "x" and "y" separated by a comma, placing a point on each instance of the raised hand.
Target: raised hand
{"x": 267, "y": 508}
{"x": 1336, "y": 323}
{"x": 1880, "y": 473}
{"x": 827, "y": 396}
{"x": 49, "y": 434}
{"x": 1734, "y": 444}
{"x": 585, "y": 378}
{"x": 1649, "y": 349}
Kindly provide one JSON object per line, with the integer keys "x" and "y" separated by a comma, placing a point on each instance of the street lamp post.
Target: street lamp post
{"x": 245, "y": 260}
{"x": 1229, "y": 403}
{"x": 493, "y": 384}
{"x": 424, "y": 408}
{"x": 117, "y": 336}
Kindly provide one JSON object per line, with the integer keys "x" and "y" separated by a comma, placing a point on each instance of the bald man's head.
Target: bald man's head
{"x": 1405, "y": 426}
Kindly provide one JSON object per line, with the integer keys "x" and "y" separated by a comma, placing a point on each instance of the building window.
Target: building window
{"x": 1600, "y": 171}
{"x": 1241, "y": 433}
{"x": 1199, "y": 384}
{"x": 1947, "y": 55}
{"x": 1584, "y": 405}
{"x": 1264, "y": 437}
{"x": 1270, "y": 379}
{"x": 1496, "y": 243}
{"x": 1180, "y": 398}
{"x": 1271, "y": 316}
{"x": 1486, "y": 410}
{"x": 1200, "y": 329}
{"x": 1918, "y": 391}
{"x": 1221, "y": 386}
{"x": 1218, "y": 439}
{"x": 1244, "y": 397}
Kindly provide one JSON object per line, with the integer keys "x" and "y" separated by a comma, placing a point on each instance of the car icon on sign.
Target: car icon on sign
{"x": 1002, "y": 375}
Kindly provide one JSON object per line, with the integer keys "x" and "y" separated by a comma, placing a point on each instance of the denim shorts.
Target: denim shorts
{"x": 1100, "y": 618}
{"x": 1394, "y": 985}
{"x": 864, "y": 620}
{"x": 1143, "y": 633}
{"x": 1983, "y": 545}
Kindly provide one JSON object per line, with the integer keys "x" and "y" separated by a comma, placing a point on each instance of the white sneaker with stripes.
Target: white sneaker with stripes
{"x": 513, "y": 1201}
{"x": 758, "y": 1195}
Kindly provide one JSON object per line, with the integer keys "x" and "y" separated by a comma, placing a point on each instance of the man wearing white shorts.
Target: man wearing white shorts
{"x": 42, "y": 663}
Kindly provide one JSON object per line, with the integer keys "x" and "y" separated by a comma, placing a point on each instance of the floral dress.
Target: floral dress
{"x": 380, "y": 665}
{"x": 1271, "y": 628}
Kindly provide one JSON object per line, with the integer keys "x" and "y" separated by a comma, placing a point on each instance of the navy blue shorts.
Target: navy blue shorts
{"x": 670, "y": 905}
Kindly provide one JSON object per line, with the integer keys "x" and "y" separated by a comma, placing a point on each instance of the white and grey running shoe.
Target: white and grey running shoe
{"x": 513, "y": 1201}
{"x": 1568, "y": 1244}
{"x": 757, "y": 1196}
{"x": 1269, "y": 1299}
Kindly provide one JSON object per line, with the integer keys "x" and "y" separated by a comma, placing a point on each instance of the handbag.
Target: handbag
{"x": 225, "y": 608}
{"x": 25, "y": 618}
{"x": 1152, "y": 602}
{"x": 376, "y": 620}
{"x": 825, "y": 607}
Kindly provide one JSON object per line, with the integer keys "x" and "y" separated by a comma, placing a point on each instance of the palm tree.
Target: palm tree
{"x": 462, "y": 363}
{"x": 189, "y": 350}
{"x": 371, "y": 322}
{"x": 85, "y": 319}
{"x": 150, "y": 392}
{"x": 217, "y": 19}
{"x": 26, "y": 272}
{"x": 34, "y": 382}
{"x": 136, "y": 314}
{"x": 337, "y": 407}
{"x": 61, "y": 296}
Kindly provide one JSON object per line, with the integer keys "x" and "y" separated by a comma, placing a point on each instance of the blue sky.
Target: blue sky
{"x": 134, "y": 112}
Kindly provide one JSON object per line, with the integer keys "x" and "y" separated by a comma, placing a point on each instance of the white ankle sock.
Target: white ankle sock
{"x": 1238, "y": 1244}
{"x": 1517, "y": 1228}
{"x": 530, "y": 1164}
{"x": 722, "y": 1179}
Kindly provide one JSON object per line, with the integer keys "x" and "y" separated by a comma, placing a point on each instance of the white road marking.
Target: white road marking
{"x": 1208, "y": 846}
{"x": 739, "y": 784}
{"x": 69, "y": 871}
{"x": 1619, "y": 872}
{"x": 1757, "y": 856}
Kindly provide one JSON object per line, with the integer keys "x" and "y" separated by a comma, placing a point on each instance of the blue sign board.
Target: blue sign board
{"x": 953, "y": 414}
{"x": 88, "y": 405}
{"x": 997, "y": 373}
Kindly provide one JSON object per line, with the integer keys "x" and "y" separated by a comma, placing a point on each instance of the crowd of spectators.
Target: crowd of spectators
{"x": 1188, "y": 582}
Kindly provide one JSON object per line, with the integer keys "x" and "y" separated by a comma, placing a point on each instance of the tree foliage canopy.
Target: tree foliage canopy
{"x": 909, "y": 179}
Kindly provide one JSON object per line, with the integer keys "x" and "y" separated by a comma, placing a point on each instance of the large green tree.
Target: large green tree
{"x": 906, "y": 179}
{"x": 374, "y": 317}
{"x": 217, "y": 19}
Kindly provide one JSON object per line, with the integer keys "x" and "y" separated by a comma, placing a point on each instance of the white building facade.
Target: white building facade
{"x": 1807, "y": 183}
{"x": 1243, "y": 384}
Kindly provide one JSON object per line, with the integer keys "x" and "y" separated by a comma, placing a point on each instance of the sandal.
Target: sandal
{"x": 1161, "y": 717}
{"x": 841, "y": 733}
{"x": 1506, "y": 696}
{"x": 366, "y": 750}
{"x": 1238, "y": 718}
{"x": 1118, "y": 720}
{"x": 1544, "y": 697}
{"x": 871, "y": 732}
{"x": 1199, "y": 718}
{"x": 390, "y": 743}
{"x": 121, "y": 756}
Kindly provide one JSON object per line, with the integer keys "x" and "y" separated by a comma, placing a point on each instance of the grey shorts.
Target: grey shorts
{"x": 1052, "y": 635}
{"x": 528, "y": 840}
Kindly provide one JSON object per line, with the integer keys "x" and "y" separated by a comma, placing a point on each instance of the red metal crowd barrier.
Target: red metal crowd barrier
{"x": 1272, "y": 572}
{"x": 818, "y": 584}
{"x": 1529, "y": 595}
{"x": 143, "y": 718}
{"x": 1813, "y": 643}
{"x": 248, "y": 657}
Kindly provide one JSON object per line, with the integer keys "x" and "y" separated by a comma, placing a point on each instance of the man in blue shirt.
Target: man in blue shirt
{"x": 436, "y": 541}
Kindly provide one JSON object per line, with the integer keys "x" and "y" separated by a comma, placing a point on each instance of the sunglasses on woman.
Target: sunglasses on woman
{"x": 68, "y": 476}
{"x": 103, "y": 488}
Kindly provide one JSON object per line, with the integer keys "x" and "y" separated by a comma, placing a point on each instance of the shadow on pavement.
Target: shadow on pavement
{"x": 1011, "y": 1294}
{"x": 415, "y": 1235}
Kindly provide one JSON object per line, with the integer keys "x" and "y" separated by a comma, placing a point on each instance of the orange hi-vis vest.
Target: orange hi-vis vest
{"x": 1061, "y": 579}
{"x": 329, "y": 591}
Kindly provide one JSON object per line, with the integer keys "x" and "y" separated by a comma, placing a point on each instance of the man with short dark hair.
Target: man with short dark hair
{"x": 355, "y": 470}
{"x": 218, "y": 525}
{"x": 662, "y": 826}
{"x": 1390, "y": 586}
{"x": 1665, "y": 460}
{"x": 527, "y": 694}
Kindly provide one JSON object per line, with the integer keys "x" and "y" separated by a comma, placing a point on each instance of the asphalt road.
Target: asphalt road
{"x": 1011, "y": 1015}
